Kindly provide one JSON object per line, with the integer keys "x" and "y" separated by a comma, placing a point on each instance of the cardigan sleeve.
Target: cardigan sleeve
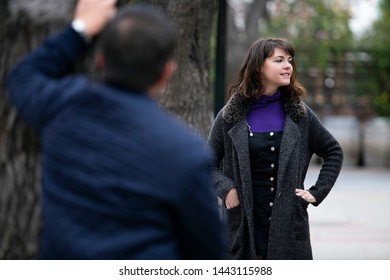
{"x": 324, "y": 145}
{"x": 215, "y": 142}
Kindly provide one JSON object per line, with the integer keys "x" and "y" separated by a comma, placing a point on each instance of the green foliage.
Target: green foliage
{"x": 318, "y": 29}
{"x": 376, "y": 43}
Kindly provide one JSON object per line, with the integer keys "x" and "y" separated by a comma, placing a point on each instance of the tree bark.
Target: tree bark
{"x": 255, "y": 17}
{"x": 188, "y": 93}
{"x": 23, "y": 25}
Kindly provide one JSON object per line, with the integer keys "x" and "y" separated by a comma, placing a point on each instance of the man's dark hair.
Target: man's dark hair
{"x": 137, "y": 44}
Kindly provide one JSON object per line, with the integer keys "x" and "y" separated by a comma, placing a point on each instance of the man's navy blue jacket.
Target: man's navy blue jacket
{"x": 121, "y": 178}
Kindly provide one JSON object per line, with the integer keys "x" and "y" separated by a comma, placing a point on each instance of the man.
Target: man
{"x": 121, "y": 179}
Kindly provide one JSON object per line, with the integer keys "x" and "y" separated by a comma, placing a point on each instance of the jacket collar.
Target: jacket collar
{"x": 237, "y": 107}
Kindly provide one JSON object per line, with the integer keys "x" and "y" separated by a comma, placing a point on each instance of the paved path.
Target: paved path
{"x": 353, "y": 222}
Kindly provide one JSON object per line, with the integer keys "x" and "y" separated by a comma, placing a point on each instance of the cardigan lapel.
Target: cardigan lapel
{"x": 239, "y": 136}
{"x": 290, "y": 137}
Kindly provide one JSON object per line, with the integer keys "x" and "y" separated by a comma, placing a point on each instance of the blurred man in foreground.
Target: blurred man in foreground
{"x": 121, "y": 178}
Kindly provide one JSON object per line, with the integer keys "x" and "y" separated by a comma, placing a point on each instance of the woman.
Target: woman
{"x": 263, "y": 141}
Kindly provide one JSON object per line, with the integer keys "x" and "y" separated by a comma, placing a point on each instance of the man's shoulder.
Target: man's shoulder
{"x": 174, "y": 133}
{"x": 177, "y": 131}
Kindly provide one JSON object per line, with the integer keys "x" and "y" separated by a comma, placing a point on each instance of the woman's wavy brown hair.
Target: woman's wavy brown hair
{"x": 249, "y": 78}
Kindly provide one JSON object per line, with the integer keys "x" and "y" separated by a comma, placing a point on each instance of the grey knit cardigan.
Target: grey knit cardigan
{"x": 303, "y": 136}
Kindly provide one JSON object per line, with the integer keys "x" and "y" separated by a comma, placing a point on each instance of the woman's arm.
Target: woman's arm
{"x": 215, "y": 142}
{"x": 324, "y": 145}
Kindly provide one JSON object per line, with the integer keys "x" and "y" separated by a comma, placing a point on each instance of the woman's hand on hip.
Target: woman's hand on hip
{"x": 306, "y": 195}
{"x": 232, "y": 199}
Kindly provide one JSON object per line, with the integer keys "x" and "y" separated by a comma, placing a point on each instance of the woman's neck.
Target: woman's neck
{"x": 269, "y": 91}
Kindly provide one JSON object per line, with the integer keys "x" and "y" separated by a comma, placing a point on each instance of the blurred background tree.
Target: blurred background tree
{"x": 374, "y": 63}
{"x": 319, "y": 30}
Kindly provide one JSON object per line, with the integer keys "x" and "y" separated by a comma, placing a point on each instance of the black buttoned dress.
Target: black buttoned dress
{"x": 264, "y": 154}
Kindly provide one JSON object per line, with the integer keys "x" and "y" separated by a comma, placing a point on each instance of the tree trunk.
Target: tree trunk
{"x": 188, "y": 93}
{"x": 23, "y": 25}
{"x": 253, "y": 15}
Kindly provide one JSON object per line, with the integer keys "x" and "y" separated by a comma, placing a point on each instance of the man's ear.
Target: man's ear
{"x": 166, "y": 74}
{"x": 100, "y": 61}
{"x": 168, "y": 71}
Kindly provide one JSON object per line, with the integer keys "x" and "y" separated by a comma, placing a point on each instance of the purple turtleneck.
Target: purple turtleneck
{"x": 266, "y": 114}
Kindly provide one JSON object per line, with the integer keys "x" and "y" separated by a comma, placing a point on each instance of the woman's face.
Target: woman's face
{"x": 276, "y": 71}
